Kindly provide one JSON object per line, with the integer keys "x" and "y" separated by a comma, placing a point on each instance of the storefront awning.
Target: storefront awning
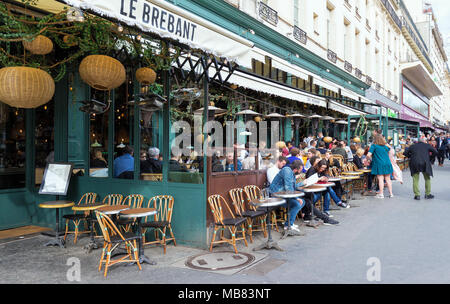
{"x": 411, "y": 115}
{"x": 326, "y": 84}
{"x": 339, "y": 107}
{"x": 418, "y": 75}
{"x": 169, "y": 21}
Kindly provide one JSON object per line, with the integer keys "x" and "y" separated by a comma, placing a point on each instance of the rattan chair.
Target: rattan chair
{"x": 77, "y": 218}
{"x": 134, "y": 201}
{"x": 162, "y": 220}
{"x": 339, "y": 157}
{"x": 113, "y": 199}
{"x": 254, "y": 192}
{"x": 250, "y": 213}
{"x": 113, "y": 238}
{"x": 217, "y": 204}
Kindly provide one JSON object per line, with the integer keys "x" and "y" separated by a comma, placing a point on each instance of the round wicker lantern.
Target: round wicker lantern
{"x": 327, "y": 139}
{"x": 25, "y": 87}
{"x": 257, "y": 119}
{"x": 145, "y": 76}
{"x": 41, "y": 45}
{"x": 356, "y": 139}
{"x": 102, "y": 72}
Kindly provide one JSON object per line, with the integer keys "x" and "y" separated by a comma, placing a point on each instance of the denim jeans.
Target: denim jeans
{"x": 294, "y": 207}
{"x": 327, "y": 196}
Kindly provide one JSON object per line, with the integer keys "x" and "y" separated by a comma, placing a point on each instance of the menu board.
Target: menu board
{"x": 56, "y": 179}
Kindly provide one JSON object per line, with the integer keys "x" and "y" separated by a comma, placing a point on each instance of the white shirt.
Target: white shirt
{"x": 272, "y": 172}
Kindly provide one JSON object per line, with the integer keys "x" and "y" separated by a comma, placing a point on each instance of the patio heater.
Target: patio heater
{"x": 314, "y": 122}
{"x": 212, "y": 112}
{"x": 326, "y": 123}
{"x": 341, "y": 125}
{"x": 276, "y": 117}
{"x": 298, "y": 119}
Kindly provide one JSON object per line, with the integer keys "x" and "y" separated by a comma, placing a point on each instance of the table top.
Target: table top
{"x": 334, "y": 179}
{"x": 352, "y": 173}
{"x": 288, "y": 194}
{"x": 365, "y": 170}
{"x": 349, "y": 177}
{"x": 87, "y": 207}
{"x": 137, "y": 212}
{"x": 56, "y": 204}
{"x": 329, "y": 184}
{"x": 113, "y": 209}
{"x": 314, "y": 188}
{"x": 269, "y": 202}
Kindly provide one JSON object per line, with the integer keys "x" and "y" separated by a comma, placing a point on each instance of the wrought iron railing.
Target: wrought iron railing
{"x": 331, "y": 56}
{"x": 392, "y": 13}
{"x": 414, "y": 37}
{"x": 267, "y": 13}
{"x": 300, "y": 34}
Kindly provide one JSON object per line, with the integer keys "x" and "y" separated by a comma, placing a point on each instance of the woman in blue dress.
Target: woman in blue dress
{"x": 381, "y": 164}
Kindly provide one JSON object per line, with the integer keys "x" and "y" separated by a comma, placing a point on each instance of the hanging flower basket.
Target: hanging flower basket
{"x": 102, "y": 72}
{"x": 145, "y": 76}
{"x": 40, "y": 45}
{"x": 25, "y": 87}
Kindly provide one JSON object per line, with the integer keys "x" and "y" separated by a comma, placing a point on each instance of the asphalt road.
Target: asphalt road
{"x": 408, "y": 239}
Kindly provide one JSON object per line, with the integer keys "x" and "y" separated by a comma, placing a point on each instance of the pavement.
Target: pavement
{"x": 391, "y": 240}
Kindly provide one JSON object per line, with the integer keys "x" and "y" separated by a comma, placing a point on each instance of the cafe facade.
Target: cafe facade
{"x": 212, "y": 57}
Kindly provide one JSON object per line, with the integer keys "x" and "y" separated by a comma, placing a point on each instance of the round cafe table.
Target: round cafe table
{"x": 334, "y": 179}
{"x": 310, "y": 192}
{"x": 287, "y": 195}
{"x": 89, "y": 207}
{"x": 138, "y": 214}
{"x": 57, "y": 241}
{"x": 349, "y": 178}
{"x": 267, "y": 205}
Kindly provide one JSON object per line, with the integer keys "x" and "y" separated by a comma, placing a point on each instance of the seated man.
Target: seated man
{"x": 285, "y": 181}
{"x": 294, "y": 155}
{"x": 124, "y": 164}
{"x": 176, "y": 166}
{"x": 152, "y": 164}
{"x": 320, "y": 168}
{"x": 273, "y": 171}
{"x": 340, "y": 149}
{"x": 321, "y": 147}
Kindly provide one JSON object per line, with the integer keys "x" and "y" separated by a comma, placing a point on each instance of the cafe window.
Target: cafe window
{"x": 12, "y": 147}
{"x": 44, "y": 139}
{"x": 98, "y": 142}
{"x": 186, "y": 139}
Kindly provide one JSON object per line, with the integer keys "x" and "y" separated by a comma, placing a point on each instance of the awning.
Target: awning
{"x": 411, "y": 115}
{"x": 326, "y": 84}
{"x": 418, "y": 75}
{"x": 261, "y": 85}
{"x": 349, "y": 94}
{"x": 339, "y": 107}
{"x": 169, "y": 21}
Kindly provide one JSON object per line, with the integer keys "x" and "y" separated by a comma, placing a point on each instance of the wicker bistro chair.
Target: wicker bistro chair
{"x": 254, "y": 192}
{"x": 113, "y": 199}
{"x": 134, "y": 201}
{"x": 237, "y": 196}
{"x": 217, "y": 204}
{"x": 340, "y": 159}
{"x": 77, "y": 218}
{"x": 112, "y": 239}
{"x": 162, "y": 220}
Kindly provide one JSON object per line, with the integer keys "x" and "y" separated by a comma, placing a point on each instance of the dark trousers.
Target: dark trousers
{"x": 306, "y": 210}
{"x": 441, "y": 156}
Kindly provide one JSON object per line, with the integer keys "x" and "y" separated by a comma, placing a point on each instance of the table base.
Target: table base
{"x": 313, "y": 223}
{"x": 143, "y": 259}
{"x": 291, "y": 232}
{"x": 268, "y": 245}
{"x": 56, "y": 242}
{"x": 91, "y": 246}
{"x": 52, "y": 233}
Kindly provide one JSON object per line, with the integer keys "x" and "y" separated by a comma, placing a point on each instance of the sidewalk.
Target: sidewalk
{"x": 408, "y": 237}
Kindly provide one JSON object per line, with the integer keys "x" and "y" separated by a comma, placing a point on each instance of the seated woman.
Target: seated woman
{"x": 98, "y": 161}
{"x": 320, "y": 167}
{"x": 357, "y": 158}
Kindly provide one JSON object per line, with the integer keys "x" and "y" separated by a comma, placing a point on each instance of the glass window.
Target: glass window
{"x": 44, "y": 139}
{"x": 98, "y": 135}
{"x": 12, "y": 147}
{"x": 151, "y": 131}
{"x": 414, "y": 102}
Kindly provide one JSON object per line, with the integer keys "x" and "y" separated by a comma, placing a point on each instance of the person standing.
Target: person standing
{"x": 381, "y": 164}
{"x": 441, "y": 146}
{"x": 419, "y": 154}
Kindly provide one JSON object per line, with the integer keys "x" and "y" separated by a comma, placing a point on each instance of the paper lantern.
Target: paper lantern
{"x": 102, "y": 72}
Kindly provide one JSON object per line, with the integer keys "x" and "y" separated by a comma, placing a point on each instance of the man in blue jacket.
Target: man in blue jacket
{"x": 285, "y": 181}
{"x": 441, "y": 146}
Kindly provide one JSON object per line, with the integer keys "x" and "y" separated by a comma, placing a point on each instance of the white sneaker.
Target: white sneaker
{"x": 391, "y": 196}
{"x": 379, "y": 196}
{"x": 295, "y": 228}
{"x": 295, "y": 225}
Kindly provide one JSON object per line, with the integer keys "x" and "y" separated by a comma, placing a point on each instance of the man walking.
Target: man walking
{"x": 441, "y": 146}
{"x": 419, "y": 155}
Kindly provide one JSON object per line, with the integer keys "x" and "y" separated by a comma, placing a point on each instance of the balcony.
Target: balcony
{"x": 357, "y": 13}
{"x": 331, "y": 56}
{"x": 267, "y": 13}
{"x": 348, "y": 5}
{"x": 358, "y": 73}
{"x": 416, "y": 45}
{"x": 348, "y": 66}
{"x": 300, "y": 35}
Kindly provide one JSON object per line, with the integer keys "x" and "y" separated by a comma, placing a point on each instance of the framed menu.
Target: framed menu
{"x": 56, "y": 179}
